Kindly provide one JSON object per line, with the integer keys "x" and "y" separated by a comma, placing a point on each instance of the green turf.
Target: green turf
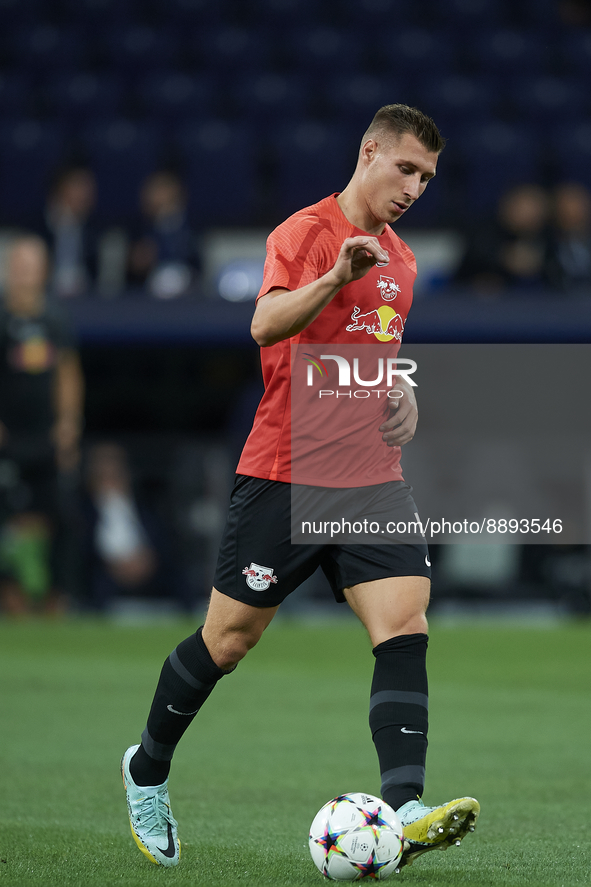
{"x": 510, "y": 724}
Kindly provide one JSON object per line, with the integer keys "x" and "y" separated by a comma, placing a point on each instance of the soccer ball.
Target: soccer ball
{"x": 355, "y": 836}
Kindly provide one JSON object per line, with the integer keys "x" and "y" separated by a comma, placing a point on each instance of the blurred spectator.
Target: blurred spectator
{"x": 569, "y": 260}
{"x": 41, "y": 403}
{"x": 71, "y": 231}
{"x": 163, "y": 255}
{"x": 126, "y": 544}
{"x": 511, "y": 251}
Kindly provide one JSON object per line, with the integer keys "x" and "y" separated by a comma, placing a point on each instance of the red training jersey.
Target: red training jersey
{"x": 298, "y": 434}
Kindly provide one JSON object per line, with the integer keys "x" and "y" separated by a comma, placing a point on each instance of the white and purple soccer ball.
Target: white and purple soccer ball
{"x": 356, "y": 836}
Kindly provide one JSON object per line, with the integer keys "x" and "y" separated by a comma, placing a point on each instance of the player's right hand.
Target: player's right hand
{"x": 356, "y": 256}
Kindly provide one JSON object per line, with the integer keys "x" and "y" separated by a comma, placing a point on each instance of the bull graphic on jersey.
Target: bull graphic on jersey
{"x": 388, "y": 288}
{"x": 259, "y": 578}
{"x": 383, "y": 322}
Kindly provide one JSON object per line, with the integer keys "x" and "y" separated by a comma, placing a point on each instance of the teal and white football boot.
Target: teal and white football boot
{"x": 153, "y": 826}
{"x": 435, "y": 828}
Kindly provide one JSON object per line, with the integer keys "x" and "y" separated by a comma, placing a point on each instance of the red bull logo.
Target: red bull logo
{"x": 259, "y": 578}
{"x": 383, "y": 322}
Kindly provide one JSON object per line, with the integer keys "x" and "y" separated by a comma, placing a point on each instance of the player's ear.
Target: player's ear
{"x": 368, "y": 150}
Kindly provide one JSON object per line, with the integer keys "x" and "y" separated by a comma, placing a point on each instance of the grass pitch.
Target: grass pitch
{"x": 510, "y": 724}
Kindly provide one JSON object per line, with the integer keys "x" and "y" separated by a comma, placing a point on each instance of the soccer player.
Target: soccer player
{"x": 324, "y": 282}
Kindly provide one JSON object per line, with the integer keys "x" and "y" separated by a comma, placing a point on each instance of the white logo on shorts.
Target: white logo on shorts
{"x": 259, "y": 578}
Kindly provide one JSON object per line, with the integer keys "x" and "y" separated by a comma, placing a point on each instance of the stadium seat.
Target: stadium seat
{"x": 264, "y": 97}
{"x": 20, "y": 11}
{"x": 176, "y": 97}
{"x": 219, "y": 163}
{"x": 356, "y": 97}
{"x": 15, "y": 95}
{"x": 312, "y": 161}
{"x": 99, "y": 12}
{"x": 287, "y": 12}
{"x": 187, "y": 13}
{"x": 455, "y": 97}
{"x": 571, "y": 145}
{"x": 509, "y": 51}
{"x": 576, "y": 51}
{"x": 325, "y": 49}
{"x": 232, "y": 49}
{"x": 47, "y": 47}
{"x": 122, "y": 154}
{"x": 139, "y": 49}
{"x": 367, "y": 14}
{"x": 414, "y": 50}
{"x": 545, "y": 97}
{"x": 29, "y": 152}
{"x": 84, "y": 96}
{"x": 471, "y": 14}
{"x": 544, "y": 13}
{"x": 496, "y": 156}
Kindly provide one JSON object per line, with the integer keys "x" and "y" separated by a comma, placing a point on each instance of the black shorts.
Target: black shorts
{"x": 28, "y": 486}
{"x": 259, "y": 565}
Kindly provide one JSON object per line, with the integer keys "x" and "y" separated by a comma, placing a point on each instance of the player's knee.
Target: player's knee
{"x": 413, "y": 622}
{"x": 232, "y": 647}
{"x": 417, "y": 624}
{"x": 410, "y": 624}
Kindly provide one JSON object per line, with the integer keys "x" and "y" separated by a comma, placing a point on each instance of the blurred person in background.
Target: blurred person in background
{"x": 126, "y": 546}
{"x": 569, "y": 257}
{"x": 71, "y": 231}
{"x": 510, "y": 252}
{"x": 41, "y": 412}
{"x": 163, "y": 255}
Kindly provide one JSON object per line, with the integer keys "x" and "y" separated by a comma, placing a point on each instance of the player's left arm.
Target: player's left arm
{"x": 68, "y": 396}
{"x": 400, "y": 427}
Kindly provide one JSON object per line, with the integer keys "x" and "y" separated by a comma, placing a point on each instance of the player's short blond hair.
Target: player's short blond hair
{"x": 398, "y": 120}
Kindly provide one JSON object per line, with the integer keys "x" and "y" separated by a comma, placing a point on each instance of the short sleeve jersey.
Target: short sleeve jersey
{"x": 369, "y": 311}
{"x": 29, "y": 349}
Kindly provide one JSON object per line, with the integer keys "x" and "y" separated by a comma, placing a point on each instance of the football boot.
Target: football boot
{"x": 432, "y": 828}
{"x": 153, "y": 826}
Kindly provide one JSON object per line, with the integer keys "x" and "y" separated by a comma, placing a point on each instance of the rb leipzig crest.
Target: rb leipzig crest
{"x": 259, "y": 578}
{"x": 388, "y": 288}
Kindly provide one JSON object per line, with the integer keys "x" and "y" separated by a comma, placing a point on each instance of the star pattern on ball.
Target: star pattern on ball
{"x": 337, "y": 801}
{"x": 329, "y": 841}
{"x": 370, "y": 868}
{"x": 373, "y": 818}
{"x": 352, "y": 838}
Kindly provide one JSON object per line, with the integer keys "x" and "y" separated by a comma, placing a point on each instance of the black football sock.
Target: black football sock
{"x": 398, "y": 716}
{"x": 187, "y": 678}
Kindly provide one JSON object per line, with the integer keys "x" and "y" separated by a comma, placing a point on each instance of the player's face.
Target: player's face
{"x": 395, "y": 174}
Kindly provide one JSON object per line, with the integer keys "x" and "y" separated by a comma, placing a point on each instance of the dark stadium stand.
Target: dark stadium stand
{"x": 129, "y": 86}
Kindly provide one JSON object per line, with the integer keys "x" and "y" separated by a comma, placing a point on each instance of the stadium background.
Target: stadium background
{"x": 259, "y": 106}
